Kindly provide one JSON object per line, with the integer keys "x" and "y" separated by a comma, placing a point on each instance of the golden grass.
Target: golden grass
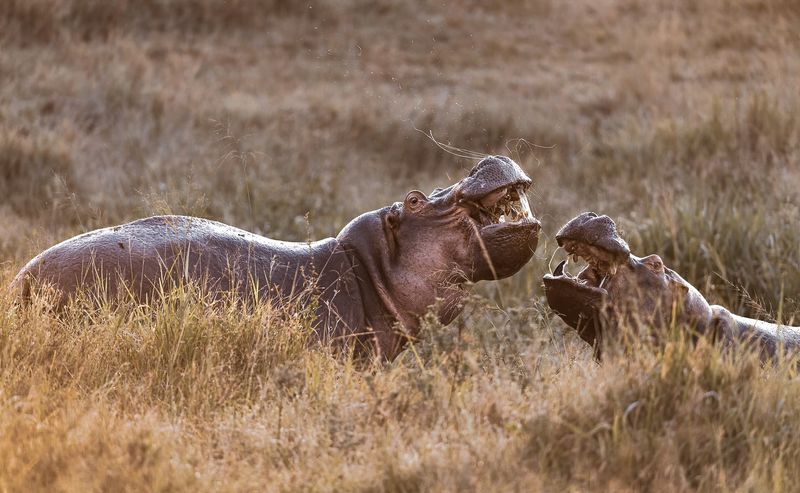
{"x": 179, "y": 396}
{"x": 677, "y": 118}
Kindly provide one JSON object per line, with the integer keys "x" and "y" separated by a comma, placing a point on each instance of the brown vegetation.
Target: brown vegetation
{"x": 287, "y": 118}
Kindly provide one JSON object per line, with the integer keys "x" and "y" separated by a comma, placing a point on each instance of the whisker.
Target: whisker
{"x": 450, "y": 149}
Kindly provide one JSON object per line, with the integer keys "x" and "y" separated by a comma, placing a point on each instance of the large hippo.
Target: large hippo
{"x": 618, "y": 288}
{"x": 372, "y": 282}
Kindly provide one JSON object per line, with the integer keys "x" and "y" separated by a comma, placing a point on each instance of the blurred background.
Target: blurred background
{"x": 677, "y": 118}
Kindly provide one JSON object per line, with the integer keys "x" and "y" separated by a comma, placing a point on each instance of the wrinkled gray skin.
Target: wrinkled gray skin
{"x": 374, "y": 281}
{"x": 617, "y": 288}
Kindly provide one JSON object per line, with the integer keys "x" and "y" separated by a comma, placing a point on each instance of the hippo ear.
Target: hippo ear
{"x": 654, "y": 263}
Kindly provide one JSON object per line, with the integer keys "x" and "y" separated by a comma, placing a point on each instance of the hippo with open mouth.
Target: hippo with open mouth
{"x": 373, "y": 282}
{"x": 618, "y": 288}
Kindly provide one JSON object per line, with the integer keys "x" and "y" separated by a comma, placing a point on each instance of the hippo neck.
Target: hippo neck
{"x": 380, "y": 315}
{"x": 391, "y": 313}
{"x": 391, "y": 322}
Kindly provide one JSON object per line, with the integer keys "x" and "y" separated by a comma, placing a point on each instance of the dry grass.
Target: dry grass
{"x": 288, "y": 119}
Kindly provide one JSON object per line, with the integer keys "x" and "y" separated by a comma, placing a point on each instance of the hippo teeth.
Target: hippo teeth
{"x": 561, "y": 271}
{"x": 503, "y": 205}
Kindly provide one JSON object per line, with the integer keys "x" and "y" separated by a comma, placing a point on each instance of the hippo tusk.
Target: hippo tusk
{"x": 550, "y": 261}
{"x": 523, "y": 201}
{"x": 560, "y": 269}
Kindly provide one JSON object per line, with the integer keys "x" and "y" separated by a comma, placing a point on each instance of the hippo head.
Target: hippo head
{"x": 484, "y": 219}
{"x": 617, "y": 287}
{"x": 424, "y": 248}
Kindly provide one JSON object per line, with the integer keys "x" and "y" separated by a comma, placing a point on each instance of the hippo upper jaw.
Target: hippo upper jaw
{"x": 595, "y": 239}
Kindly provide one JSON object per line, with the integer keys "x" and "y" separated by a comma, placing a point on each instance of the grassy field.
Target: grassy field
{"x": 680, "y": 119}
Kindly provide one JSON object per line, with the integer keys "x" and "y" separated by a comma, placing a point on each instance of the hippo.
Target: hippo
{"x": 371, "y": 283}
{"x": 618, "y": 288}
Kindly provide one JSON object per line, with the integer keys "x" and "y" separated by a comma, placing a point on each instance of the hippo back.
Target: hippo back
{"x": 768, "y": 337}
{"x": 144, "y": 258}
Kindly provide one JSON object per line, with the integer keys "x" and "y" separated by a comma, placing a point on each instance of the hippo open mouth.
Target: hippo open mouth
{"x": 494, "y": 202}
{"x": 579, "y": 299}
{"x": 504, "y": 205}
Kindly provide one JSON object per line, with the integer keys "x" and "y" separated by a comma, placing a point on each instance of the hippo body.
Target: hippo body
{"x": 155, "y": 254}
{"x": 618, "y": 288}
{"x": 769, "y": 338}
{"x": 372, "y": 283}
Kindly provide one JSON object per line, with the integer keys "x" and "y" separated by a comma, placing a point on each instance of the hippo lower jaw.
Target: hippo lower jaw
{"x": 578, "y": 300}
{"x": 584, "y": 286}
{"x": 504, "y": 248}
{"x": 588, "y": 284}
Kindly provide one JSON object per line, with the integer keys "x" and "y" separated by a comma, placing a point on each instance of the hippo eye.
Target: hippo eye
{"x": 415, "y": 199}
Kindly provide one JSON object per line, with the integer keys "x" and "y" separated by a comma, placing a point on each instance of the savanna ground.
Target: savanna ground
{"x": 678, "y": 118}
